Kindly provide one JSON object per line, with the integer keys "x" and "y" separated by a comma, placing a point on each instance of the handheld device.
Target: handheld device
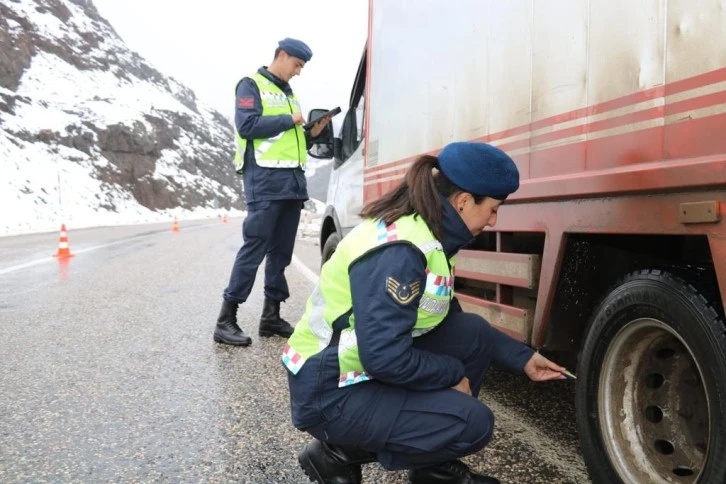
{"x": 330, "y": 113}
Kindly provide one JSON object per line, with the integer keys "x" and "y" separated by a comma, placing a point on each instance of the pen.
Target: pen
{"x": 568, "y": 375}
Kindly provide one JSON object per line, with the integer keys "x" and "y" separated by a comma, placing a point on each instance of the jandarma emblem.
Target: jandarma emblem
{"x": 403, "y": 293}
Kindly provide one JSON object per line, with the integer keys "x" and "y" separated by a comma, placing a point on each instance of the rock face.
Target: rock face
{"x": 90, "y": 131}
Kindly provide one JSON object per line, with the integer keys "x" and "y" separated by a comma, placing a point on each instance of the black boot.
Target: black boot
{"x": 333, "y": 464}
{"x": 227, "y": 332}
{"x": 271, "y": 323}
{"x": 452, "y": 472}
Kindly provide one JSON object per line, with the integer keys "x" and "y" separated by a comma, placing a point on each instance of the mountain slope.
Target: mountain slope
{"x": 91, "y": 134}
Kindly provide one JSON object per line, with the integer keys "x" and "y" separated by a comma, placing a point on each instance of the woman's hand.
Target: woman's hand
{"x": 539, "y": 368}
{"x": 463, "y": 386}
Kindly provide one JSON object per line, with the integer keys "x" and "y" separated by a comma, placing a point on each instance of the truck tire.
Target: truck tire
{"x": 651, "y": 392}
{"x": 331, "y": 243}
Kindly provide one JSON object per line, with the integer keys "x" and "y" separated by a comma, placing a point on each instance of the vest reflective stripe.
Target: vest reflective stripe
{"x": 264, "y": 145}
{"x": 420, "y": 332}
{"x": 322, "y": 331}
{"x": 331, "y": 297}
{"x": 285, "y": 150}
{"x": 433, "y": 306}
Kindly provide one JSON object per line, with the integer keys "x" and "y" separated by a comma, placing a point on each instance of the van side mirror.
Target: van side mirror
{"x": 322, "y": 145}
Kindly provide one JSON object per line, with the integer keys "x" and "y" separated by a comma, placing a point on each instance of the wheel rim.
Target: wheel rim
{"x": 654, "y": 408}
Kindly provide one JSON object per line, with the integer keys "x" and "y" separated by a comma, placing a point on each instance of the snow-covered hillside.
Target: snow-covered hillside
{"x": 90, "y": 134}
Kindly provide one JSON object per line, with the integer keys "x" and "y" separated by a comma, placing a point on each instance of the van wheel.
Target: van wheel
{"x": 651, "y": 392}
{"x": 331, "y": 243}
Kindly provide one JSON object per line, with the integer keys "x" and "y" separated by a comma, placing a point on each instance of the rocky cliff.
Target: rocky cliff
{"x": 90, "y": 131}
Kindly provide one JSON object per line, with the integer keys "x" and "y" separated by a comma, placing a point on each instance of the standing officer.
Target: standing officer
{"x": 271, "y": 155}
{"x": 384, "y": 365}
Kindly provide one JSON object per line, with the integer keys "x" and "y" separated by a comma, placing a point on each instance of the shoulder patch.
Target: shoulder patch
{"x": 403, "y": 294}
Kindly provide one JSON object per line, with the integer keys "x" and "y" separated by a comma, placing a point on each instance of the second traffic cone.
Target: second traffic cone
{"x": 175, "y": 226}
{"x": 64, "y": 250}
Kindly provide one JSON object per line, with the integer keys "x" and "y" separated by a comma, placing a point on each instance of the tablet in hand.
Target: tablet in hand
{"x": 330, "y": 113}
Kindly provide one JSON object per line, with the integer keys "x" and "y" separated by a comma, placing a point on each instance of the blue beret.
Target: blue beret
{"x": 480, "y": 169}
{"x": 296, "y": 48}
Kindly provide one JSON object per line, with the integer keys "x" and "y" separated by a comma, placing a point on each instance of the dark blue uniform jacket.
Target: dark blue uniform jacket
{"x": 260, "y": 183}
{"x": 383, "y": 330}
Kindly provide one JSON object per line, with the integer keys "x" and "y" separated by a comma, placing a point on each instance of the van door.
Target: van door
{"x": 345, "y": 191}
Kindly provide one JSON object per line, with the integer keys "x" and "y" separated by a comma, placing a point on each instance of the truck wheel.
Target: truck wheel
{"x": 651, "y": 393}
{"x": 331, "y": 243}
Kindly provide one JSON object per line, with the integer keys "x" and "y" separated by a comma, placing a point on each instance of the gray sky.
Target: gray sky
{"x": 209, "y": 45}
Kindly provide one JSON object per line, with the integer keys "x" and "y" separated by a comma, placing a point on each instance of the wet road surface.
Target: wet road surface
{"x": 109, "y": 371}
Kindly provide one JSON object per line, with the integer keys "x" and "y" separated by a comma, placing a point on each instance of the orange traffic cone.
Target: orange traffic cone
{"x": 64, "y": 251}
{"x": 224, "y": 218}
{"x": 175, "y": 226}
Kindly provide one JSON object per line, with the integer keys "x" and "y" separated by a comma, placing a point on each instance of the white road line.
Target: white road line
{"x": 23, "y": 266}
{"x": 74, "y": 252}
{"x": 44, "y": 260}
{"x": 305, "y": 270}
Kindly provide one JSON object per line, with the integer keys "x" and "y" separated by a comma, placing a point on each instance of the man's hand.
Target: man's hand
{"x": 298, "y": 119}
{"x": 463, "y": 386}
{"x": 539, "y": 368}
{"x": 319, "y": 126}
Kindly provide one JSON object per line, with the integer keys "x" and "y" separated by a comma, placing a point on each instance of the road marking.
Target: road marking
{"x": 23, "y": 266}
{"x": 50, "y": 259}
{"x": 44, "y": 260}
{"x": 305, "y": 270}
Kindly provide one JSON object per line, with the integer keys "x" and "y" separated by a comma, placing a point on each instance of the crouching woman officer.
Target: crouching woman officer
{"x": 384, "y": 365}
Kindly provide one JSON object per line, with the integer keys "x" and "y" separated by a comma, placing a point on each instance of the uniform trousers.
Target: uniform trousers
{"x": 405, "y": 428}
{"x": 268, "y": 232}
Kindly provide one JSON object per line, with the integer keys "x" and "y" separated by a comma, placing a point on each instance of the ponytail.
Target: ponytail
{"x": 416, "y": 194}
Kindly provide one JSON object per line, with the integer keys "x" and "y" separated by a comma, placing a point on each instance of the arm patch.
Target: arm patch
{"x": 246, "y": 102}
{"x": 403, "y": 294}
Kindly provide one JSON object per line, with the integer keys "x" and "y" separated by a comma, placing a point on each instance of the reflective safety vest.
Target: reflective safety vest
{"x": 287, "y": 149}
{"x": 331, "y": 297}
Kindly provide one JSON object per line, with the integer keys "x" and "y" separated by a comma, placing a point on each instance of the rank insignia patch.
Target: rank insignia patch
{"x": 403, "y": 293}
{"x": 246, "y": 102}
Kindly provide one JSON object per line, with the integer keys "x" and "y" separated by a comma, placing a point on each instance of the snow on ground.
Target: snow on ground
{"x": 18, "y": 222}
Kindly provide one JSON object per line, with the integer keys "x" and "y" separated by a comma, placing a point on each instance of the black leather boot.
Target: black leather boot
{"x": 227, "y": 332}
{"x": 333, "y": 464}
{"x": 271, "y": 323}
{"x": 452, "y": 472}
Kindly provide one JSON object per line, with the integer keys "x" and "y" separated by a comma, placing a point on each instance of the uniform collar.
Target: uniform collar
{"x": 456, "y": 233}
{"x": 272, "y": 77}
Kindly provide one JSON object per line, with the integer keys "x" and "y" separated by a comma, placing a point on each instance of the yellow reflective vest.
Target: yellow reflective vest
{"x": 287, "y": 149}
{"x": 331, "y": 297}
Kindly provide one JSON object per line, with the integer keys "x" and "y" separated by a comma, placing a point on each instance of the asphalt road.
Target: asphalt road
{"x": 108, "y": 371}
